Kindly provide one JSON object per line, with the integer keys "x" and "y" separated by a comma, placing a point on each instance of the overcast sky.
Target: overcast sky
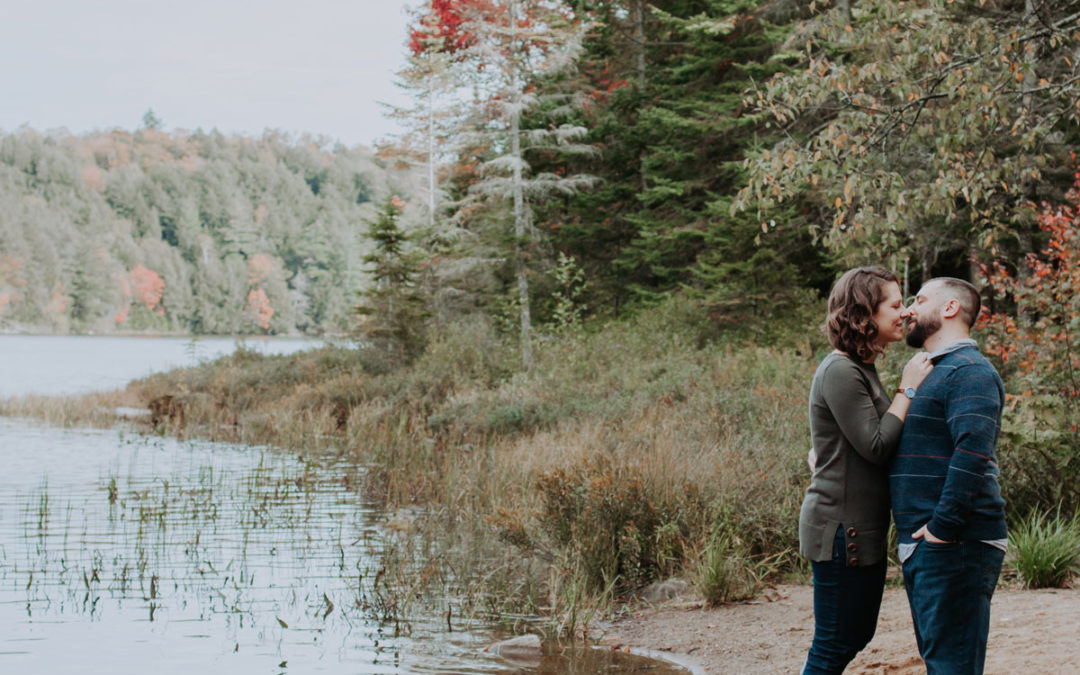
{"x": 317, "y": 66}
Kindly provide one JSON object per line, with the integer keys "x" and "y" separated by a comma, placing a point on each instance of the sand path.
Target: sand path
{"x": 1030, "y": 632}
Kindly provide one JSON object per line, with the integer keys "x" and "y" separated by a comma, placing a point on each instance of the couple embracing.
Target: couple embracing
{"x": 927, "y": 451}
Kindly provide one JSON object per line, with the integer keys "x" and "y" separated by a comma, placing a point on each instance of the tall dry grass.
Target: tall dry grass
{"x": 97, "y": 410}
{"x": 618, "y": 459}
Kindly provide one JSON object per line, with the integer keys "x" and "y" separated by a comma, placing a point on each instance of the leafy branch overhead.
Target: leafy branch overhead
{"x": 918, "y": 127}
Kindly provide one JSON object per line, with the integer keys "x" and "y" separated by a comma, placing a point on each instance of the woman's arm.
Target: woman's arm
{"x": 851, "y": 401}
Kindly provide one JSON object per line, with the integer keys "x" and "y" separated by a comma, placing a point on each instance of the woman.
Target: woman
{"x": 844, "y": 521}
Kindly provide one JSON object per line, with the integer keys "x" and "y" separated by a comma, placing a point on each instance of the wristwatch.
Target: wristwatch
{"x": 909, "y": 392}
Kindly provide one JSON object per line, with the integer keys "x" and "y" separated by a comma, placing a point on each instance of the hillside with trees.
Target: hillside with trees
{"x": 181, "y": 232}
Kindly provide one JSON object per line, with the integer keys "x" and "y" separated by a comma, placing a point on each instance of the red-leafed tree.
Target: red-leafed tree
{"x": 1035, "y": 333}
{"x": 147, "y": 286}
{"x": 10, "y": 281}
{"x": 266, "y": 276}
{"x": 437, "y": 40}
{"x": 258, "y": 309}
{"x": 442, "y": 26}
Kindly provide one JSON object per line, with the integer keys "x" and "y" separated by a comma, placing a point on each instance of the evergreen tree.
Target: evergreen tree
{"x": 393, "y": 308}
{"x": 666, "y": 87}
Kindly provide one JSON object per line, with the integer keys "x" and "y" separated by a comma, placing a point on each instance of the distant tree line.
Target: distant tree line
{"x": 183, "y": 232}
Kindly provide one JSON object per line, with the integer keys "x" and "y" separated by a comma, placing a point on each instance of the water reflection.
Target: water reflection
{"x": 123, "y": 554}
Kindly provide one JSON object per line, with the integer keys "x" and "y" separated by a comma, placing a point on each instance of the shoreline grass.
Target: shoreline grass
{"x": 655, "y": 444}
{"x": 631, "y": 453}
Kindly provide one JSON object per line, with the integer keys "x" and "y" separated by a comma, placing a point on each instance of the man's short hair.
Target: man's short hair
{"x": 965, "y": 293}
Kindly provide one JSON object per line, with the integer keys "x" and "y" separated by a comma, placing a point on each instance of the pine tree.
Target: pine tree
{"x": 393, "y": 308}
{"x": 666, "y": 87}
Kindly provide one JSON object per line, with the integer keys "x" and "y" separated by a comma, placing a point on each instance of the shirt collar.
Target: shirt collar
{"x": 952, "y": 347}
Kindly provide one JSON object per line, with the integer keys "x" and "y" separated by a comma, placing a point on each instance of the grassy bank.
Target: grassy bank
{"x": 627, "y": 454}
{"x": 630, "y": 453}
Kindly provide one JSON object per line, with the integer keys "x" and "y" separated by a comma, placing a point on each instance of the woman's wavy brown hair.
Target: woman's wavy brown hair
{"x": 854, "y": 298}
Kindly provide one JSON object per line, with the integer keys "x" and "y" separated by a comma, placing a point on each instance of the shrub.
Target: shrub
{"x": 1045, "y": 548}
{"x": 724, "y": 574}
{"x": 610, "y": 525}
{"x": 1033, "y": 323}
{"x": 1040, "y": 462}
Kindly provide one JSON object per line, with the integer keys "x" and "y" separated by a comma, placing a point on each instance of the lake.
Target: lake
{"x": 67, "y": 364}
{"x": 128, "y": 553}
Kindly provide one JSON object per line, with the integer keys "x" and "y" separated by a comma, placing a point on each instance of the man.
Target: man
{"x": 946, "y": 501}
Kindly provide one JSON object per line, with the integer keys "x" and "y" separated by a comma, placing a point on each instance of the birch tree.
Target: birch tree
{"x": 431, "y": 80}
{"x": 508, "y": 45}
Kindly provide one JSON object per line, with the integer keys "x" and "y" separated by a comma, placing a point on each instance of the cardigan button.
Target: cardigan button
{"x": 852, "y": 547}
{"x": 853, "y": 561}
{"x": 852, "y": 532}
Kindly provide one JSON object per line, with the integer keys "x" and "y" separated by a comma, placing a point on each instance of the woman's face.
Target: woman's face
{"x": 890, "y": 315}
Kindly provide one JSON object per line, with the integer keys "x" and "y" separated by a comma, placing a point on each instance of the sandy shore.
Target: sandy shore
{"x": 1030, "y": 632}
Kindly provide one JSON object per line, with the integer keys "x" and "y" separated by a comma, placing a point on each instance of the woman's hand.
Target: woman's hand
{"x": 916, "y": 370}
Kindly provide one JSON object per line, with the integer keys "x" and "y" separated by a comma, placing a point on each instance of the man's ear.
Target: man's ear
{"x": 950, "y": 309}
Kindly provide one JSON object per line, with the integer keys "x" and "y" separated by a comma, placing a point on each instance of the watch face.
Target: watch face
{"x": 909, "y": 392}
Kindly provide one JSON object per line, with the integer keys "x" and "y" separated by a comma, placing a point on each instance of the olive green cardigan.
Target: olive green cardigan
{"x": 854, "y": 439}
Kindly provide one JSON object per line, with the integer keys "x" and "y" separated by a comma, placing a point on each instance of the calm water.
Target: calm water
{"x": 122, "y": 553}
{"x": 66, "y": 364}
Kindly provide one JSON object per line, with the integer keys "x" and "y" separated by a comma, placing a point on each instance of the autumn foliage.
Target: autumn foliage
{"x": 148, "y": 287}
{"x": 1035, "y": 335}
{"x": 143, "y": 286}
{"x": 259, "y": 310}
{"x": 443, "y": 24}
{"x": 9, "y": 280}
{"x": 1041, "y": 338}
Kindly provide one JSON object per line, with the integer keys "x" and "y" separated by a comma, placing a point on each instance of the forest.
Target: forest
{"x": 740, "y": 152}
{"x": 150, "y": 231}
{"x": 568, "y": 160}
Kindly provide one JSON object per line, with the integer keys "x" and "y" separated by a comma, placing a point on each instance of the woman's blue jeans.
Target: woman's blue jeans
{"x": 846, "y": 604}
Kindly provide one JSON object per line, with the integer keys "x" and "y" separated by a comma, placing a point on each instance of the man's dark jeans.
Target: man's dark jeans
{"x": 846, "y": 604}
{"x": 949, "y": 587}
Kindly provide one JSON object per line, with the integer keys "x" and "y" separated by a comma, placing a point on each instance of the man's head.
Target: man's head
{"x": 943, "y": 303}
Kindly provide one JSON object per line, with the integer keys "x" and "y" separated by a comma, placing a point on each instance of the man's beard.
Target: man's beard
{"x": 922, "y": 331}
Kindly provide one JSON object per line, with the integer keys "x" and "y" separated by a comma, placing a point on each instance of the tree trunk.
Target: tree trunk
{"x": 638, "y": 13}
{"x": 431, "y": 158}
{"x": 521, "y": 224}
